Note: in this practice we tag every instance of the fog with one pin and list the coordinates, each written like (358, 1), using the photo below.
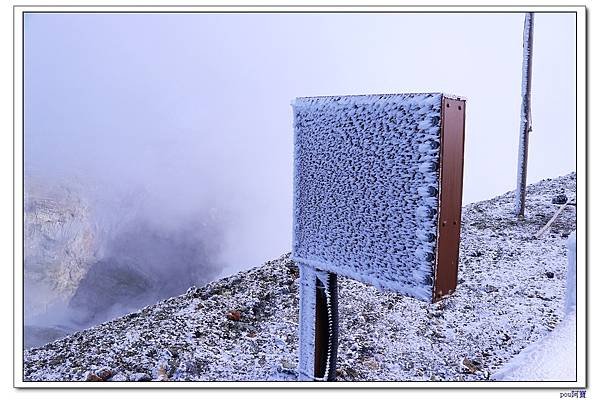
(191, 112)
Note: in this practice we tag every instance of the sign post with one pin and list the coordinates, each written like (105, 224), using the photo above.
(525, 126)
(377, 198)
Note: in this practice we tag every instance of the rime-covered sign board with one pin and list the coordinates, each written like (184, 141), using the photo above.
(378, 189)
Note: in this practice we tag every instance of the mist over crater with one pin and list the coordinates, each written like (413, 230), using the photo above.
(92, 258)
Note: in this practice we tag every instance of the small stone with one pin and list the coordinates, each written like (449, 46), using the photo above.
(234, 315)
(435, 313)
(560, 199)
(549, 274)
(140, 377)
(191, 292)
(284, 290)
(372, 364)
(469, 365)
(118, 377)
(92, 377)
(245, 326)
(162, 375)
(408, 366)
(352, 372)
(476, 253)
(104, 373)
(490, 288)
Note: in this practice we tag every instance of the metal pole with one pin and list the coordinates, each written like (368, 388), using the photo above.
(525, 126)
(326, 328)
(318, 325)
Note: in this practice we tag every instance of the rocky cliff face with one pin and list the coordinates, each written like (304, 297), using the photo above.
(510, 293)
(86, 261)
(60, 244)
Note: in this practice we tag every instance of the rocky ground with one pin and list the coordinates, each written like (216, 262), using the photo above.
(244, 327)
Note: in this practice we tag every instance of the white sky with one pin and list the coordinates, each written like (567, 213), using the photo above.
(196, 107)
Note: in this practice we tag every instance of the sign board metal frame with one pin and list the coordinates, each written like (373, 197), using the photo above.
(451, 185)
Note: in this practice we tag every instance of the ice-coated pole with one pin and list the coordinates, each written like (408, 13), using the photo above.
(525, 126)
(318, 325)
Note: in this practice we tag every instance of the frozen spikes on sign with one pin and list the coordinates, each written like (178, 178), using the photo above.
(378, 189)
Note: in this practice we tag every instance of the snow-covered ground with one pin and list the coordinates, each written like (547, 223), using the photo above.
(550, 359)
(553, 357)
(245, 327)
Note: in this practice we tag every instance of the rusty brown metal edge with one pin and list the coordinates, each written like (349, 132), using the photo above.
(448, 238)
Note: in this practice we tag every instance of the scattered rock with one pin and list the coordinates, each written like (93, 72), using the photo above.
(140, 377)
(351, 372)
(543, 297)
(234, 315)
(104, 373)
(162, 375)
(549, 274)
(118, 377)
(490, 288)
(560, 199)
(435, 313)
(470, 366)
(371, 364)
(92, 377)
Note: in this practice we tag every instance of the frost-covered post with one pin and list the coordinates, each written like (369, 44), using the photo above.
(525, 126)
(318, 325)
(377, 198)
(571, 286)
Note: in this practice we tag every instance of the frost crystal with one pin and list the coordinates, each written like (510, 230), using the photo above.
(308, 292)
(366, 188)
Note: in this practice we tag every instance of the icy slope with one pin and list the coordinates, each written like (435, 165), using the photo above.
(510, 294)
(553, 357)
(550, 359)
